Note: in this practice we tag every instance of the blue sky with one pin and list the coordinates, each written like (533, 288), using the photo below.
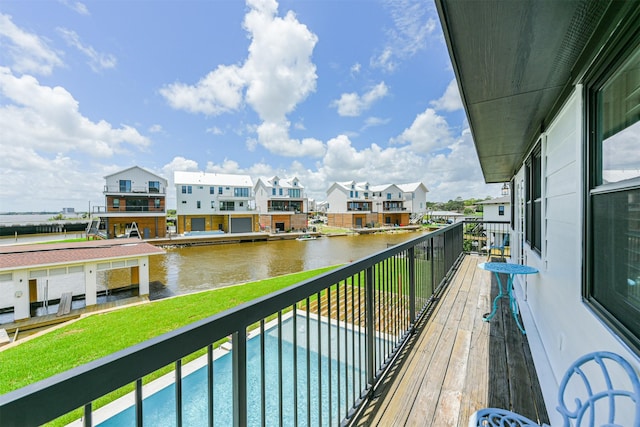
(324, 90)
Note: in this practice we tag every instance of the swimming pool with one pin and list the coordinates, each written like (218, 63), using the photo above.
(159, 407)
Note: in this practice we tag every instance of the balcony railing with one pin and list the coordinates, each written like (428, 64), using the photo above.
(480, 235)
(141, 189)
(363, 313)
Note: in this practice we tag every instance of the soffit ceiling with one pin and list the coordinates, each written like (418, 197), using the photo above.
(512, 60)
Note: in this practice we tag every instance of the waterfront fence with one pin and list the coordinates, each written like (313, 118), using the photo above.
(347, 326)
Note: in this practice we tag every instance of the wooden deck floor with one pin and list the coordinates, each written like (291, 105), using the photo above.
(456, 363)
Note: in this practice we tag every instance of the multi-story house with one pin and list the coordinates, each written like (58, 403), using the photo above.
(207, 202)
(133, 196)
(281, 203)
(415, 198)
(388, 205)
(349, 204)
(354, 205)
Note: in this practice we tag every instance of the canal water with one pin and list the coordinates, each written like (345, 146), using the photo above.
(197, 268)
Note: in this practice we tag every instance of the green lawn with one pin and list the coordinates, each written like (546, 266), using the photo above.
(102, 334)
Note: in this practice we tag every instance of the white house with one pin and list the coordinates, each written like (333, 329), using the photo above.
(552, 94)
(357, 204)
(214, 202)
(496, 215)
(281, 203)
(133, 195)
(415, 197)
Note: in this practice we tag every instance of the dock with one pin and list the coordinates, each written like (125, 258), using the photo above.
(217, 239)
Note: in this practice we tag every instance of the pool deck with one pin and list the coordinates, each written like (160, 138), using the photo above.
(455, 363)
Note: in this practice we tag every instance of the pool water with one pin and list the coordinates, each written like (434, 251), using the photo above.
(159, 408)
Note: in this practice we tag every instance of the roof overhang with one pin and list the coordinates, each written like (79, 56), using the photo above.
(513, 61)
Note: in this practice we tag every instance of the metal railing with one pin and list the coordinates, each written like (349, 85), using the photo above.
(333, 338)
(139, 189)
(480, 236)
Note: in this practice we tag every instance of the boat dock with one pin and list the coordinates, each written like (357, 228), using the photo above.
(219, 238)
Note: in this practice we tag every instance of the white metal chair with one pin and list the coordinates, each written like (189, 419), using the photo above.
(588, 396)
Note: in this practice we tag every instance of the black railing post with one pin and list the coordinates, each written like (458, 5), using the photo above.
(87, 422)
(370, 327)
(138, 395)
(412, 285)
(239, 367)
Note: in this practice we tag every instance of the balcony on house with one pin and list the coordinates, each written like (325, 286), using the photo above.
(150, 188)
(284, 206)
(359, 206)
(393, 207)
(138, 204)
(396, 338)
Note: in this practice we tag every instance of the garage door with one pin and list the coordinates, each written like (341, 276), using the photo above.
(241, 225)
(197, 224)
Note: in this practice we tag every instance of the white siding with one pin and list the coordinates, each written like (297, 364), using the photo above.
(566, 327)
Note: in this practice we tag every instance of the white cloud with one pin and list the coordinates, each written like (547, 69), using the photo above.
(156, 128)
(457, 173)
(76, 6)
(374, 121)
(48, 119)
(28, 52)
(450, 100)
(428, 132)
(274, 136)
(412, 25)
(215, 130)
(277, 75)
(218, 92)
(352, 104)
(97, 60)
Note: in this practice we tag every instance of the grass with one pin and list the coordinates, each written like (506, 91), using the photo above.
(102, 334)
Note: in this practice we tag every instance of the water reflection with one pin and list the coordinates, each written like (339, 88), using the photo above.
(185, 270)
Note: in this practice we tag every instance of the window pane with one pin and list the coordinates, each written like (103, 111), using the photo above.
(618, 104)
(616, 256)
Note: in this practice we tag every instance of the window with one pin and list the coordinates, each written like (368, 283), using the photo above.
(154, 186)
(125, 186)
(116, 203)
(213, 204)
(198, 204)
(612, 285)
(212, 190)
(533, 200)
(280, 191)
(186, 189)
(219, 190)
(241, 192)
(227, 206)
(156, 203)
(356, 194)
(294, 192)
(501, 210)
(351, 194)
(388, 196)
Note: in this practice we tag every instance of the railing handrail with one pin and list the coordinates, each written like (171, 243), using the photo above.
(124, 367)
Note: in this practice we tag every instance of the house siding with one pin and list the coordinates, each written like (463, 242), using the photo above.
(554, 296)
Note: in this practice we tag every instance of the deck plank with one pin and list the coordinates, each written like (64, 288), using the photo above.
(456, 363)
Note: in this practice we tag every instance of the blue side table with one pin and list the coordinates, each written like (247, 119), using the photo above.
(510, 270)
